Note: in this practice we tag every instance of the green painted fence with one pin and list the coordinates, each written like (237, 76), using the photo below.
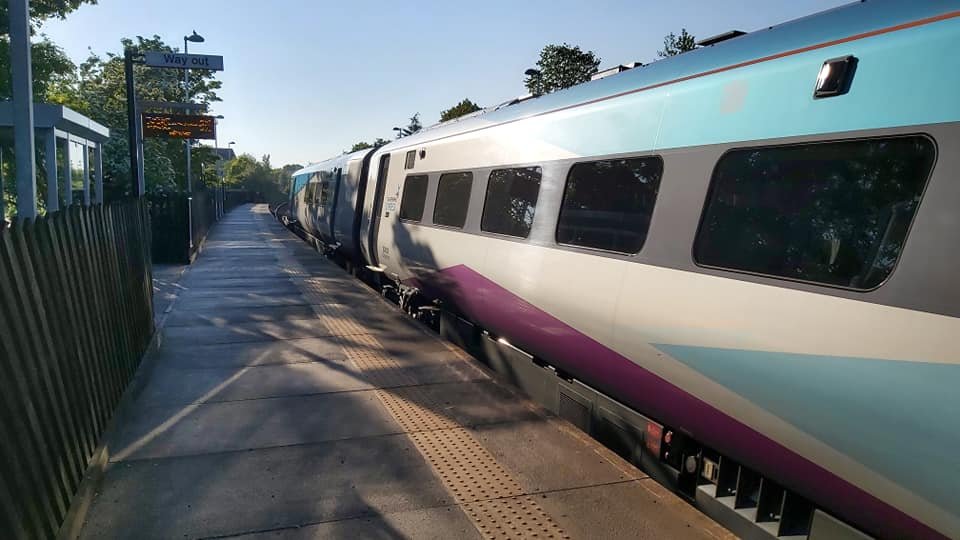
(75, 319)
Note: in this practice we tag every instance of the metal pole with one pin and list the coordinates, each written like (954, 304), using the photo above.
(53, 188)
(186, 90)
(141, 180)
(3, 197)
(98, 175)
(216, 147)
(86, 174)
(132, 131)
(67, 175)
(24, 151)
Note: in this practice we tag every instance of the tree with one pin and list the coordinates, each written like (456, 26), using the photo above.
(50, 64)
(561, 66)
(362, 145)
(464, 107)
(245, 172)
(52, 69)
(674, 44)
(414, 125)
(101, 94)
(41, 10)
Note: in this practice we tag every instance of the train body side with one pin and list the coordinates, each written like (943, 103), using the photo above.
(820, 387)
(324, 199)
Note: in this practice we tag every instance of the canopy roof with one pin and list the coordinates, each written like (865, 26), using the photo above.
(61, 118)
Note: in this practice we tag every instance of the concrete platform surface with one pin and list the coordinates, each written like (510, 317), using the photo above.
(288, 401)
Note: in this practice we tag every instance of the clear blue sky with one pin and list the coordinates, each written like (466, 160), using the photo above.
(305, 79)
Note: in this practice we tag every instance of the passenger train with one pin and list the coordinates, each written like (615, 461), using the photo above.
(755, 245)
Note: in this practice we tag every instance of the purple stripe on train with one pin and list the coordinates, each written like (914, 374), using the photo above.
(506, 314)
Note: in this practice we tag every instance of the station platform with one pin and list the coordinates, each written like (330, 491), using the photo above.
(287, 400)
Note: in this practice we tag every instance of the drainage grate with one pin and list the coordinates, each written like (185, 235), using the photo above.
(519, 517)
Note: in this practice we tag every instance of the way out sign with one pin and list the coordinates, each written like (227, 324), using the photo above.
(161, 59)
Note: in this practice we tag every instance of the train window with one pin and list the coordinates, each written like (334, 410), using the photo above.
(835, 213)
(414, 197)
(511, 200)
(453, 199)
(410, 159)
(324, 193)
(608, 204)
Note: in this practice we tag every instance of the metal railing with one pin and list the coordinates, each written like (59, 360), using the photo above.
(75, 320)
(172, 242)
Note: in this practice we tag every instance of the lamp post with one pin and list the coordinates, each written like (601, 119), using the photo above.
(216, 145)
(223, 188)
(192, 38)
(401, 132)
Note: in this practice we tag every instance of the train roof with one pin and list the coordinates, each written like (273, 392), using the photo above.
(325, 164)
(827, 27)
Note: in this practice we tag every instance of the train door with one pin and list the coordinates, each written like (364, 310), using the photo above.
(375, 215)
(334, 200)
(356, 205)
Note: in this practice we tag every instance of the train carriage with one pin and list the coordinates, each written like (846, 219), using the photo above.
(750, 244)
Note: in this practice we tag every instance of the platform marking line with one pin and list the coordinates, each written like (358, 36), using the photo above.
(488, 494)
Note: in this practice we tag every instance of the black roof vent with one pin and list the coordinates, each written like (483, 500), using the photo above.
(720, 37)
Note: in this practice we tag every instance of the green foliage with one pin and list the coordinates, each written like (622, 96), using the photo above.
(52, 69)
(245, 172)
(100, 93)
(414, 125)
(561, 66)
(464, 107)
(41, 10)
(674, 44)
(362, 145)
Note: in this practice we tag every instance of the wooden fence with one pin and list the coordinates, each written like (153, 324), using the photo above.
(75, 319)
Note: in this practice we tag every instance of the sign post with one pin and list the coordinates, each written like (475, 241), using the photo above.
(133, 127)
(167, 125)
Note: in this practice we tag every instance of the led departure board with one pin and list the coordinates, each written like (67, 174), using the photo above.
(179, 126)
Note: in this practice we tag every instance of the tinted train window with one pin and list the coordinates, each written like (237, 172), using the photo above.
(414, 197)
(511, 201)
(608, 204)
(323, 193)
(453, 198)
(835, 213)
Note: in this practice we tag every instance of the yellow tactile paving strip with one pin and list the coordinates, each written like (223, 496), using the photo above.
(489, 495)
